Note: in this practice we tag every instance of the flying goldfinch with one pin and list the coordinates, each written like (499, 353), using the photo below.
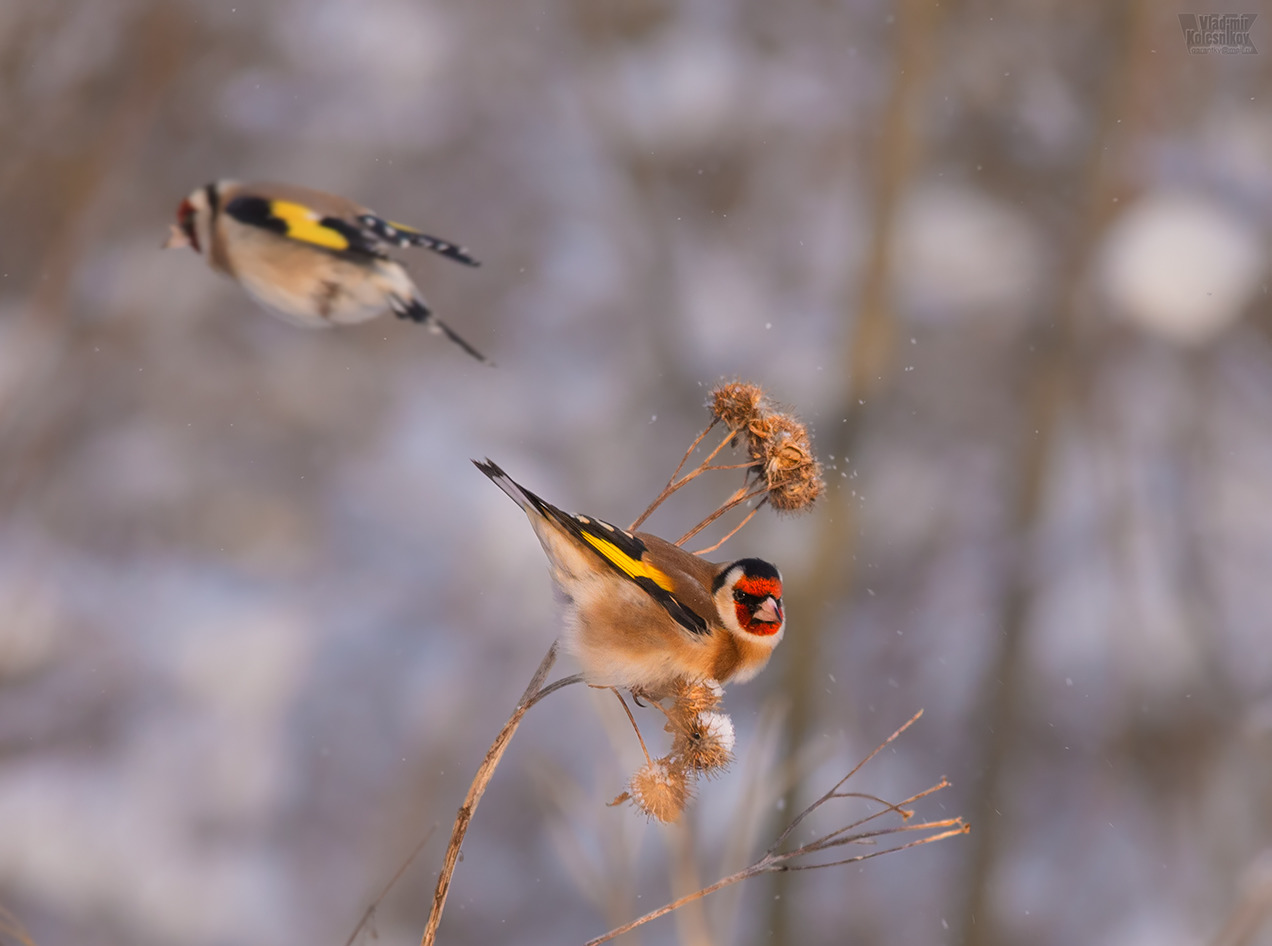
(314, 258)
(642, 613)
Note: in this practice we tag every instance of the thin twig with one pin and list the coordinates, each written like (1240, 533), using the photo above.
(898, 807)
(737, 499)
(535, 691)
(674, 484)
(734, 531)
(831, 794)
(677, 904)
(866, 796)
(366, 917)
(692, 447)
(723, 443)
(632, 719)
(826, 842)
(776, 861)
(957, 827)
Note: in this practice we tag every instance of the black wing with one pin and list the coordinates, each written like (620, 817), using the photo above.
(625, 554)
(296, 221)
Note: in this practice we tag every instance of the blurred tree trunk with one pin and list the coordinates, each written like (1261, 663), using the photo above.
(867, 365)
(1050, 351)
(37, 414)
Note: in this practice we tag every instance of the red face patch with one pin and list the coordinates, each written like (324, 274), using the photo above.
(760, 587)
(185, 220)
(748, 595)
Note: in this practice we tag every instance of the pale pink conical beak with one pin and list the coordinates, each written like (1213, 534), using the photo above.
(176, 239)
(769, 611)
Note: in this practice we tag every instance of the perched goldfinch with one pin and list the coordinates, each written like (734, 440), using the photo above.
(316, 259)
(642, 613)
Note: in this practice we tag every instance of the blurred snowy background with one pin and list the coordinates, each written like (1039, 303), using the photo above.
(260, 618)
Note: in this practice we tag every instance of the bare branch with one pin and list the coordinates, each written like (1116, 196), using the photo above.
(677, 904)
(736, 499)
(957, 828)
(674, 484)
(370, 912)
(732, 532)
(775, 861)
(632, 719)
(831, 794)
(898, 807)
(533, 694)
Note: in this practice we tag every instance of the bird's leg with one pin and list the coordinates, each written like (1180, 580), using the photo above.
(641, 697)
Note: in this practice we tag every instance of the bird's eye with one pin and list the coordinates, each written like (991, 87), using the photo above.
(743, 597)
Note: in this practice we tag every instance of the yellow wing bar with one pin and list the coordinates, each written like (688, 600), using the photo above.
(305, 225)
(633, 567)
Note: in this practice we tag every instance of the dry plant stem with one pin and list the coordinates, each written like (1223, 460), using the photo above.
(632, 719)
(897, 807)
(533, 694)
(732, 532)
(692, 447)
(674, 484)
(949, 828)
(774, 860)
(839, 836)
(370, 912)
(777, 863)
(831, 794)
(741, 496)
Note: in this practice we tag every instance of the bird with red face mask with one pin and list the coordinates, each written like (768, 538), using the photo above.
(643, 614)
(313, 258)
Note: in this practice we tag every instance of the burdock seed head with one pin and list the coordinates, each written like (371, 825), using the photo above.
(737, 404)
(688, 699)
(706, 744)
(787, 463)
(661, 788)
(702, 739)
(776, 441)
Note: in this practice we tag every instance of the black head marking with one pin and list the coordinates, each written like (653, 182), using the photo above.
(751, 567)
(213, 195)
(255, 212)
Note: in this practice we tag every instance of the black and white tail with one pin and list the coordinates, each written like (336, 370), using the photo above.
(520, 495)
(401, 235)
(418, 312)
(535, 507)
